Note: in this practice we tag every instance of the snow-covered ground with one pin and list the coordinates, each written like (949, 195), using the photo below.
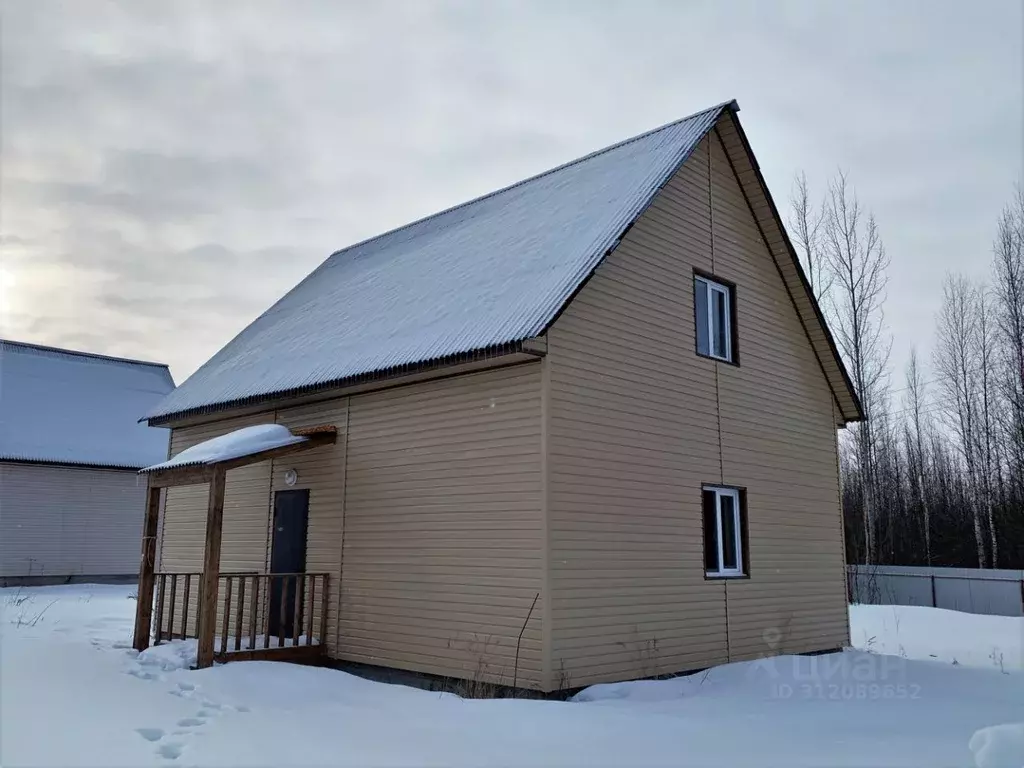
(916, 632)
(74, 693)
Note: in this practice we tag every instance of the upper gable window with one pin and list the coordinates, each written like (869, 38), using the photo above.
(715, 316)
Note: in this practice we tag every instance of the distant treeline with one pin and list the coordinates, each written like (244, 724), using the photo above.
(935, 475)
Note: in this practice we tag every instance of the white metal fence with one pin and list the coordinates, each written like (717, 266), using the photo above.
(973, 590)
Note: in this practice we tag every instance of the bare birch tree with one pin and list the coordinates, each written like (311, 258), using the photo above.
(857, 261)
(957, 364)
(914, 493)
(1009, 296)
(914, 401)
(987, 406)
(806, 225)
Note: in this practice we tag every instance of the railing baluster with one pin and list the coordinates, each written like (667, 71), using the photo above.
(199, 603)
(160, 610)
(283, 611)
(240, 614)
(184, 607)
(266, 611)
(170, 619)
(300, 599)
(311, 610)
(323, 610)
(227, 615)
(253, 607)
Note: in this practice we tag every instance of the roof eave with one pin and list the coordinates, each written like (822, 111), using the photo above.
(70, 464)
(533, 346)
(79, 353)
(732, 107)
(855, 412)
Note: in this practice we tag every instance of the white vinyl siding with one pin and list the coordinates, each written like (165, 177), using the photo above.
(68, 521)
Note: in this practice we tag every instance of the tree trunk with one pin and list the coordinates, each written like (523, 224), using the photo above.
(927, 517)
(992, 530)
(979, 539)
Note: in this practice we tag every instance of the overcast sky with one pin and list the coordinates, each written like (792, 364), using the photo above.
(171, 168)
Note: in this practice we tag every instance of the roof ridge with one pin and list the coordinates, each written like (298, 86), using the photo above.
(731, 104)
(79, 353)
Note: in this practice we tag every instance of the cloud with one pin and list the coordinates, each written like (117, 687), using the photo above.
(170, 169)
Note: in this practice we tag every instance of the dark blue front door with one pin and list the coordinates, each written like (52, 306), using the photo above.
(287, 555)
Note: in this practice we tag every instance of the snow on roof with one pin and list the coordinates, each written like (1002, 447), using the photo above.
(490, 272)
(67, 407)
(242, 442)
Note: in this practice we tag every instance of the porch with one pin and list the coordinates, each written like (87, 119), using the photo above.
(236, 615)
(268, 616)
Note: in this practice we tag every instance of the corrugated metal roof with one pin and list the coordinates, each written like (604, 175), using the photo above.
(492, 271)
(65, 407)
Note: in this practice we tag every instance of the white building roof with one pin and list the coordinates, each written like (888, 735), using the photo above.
(489, 273)
(65, 407)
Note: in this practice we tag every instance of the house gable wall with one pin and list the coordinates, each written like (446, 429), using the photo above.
(777, 438)
(636, 422)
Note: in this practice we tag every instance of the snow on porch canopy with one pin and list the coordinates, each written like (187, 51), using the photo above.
(248, 445)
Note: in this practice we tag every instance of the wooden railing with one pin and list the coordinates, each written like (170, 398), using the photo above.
(255, 611)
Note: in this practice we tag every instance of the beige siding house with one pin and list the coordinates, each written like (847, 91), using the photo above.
(585, 431)
(70, 447)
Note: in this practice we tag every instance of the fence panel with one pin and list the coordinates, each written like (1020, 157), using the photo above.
(972, 590)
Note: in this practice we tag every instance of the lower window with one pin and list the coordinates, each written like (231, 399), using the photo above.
(725, 531)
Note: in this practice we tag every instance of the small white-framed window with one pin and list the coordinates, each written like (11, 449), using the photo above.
(713, 304)
(724, 531)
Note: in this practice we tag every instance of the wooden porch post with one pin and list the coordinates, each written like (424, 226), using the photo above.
(147, 568)
(211, 571)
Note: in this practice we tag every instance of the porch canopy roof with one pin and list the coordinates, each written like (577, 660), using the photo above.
(248, 445)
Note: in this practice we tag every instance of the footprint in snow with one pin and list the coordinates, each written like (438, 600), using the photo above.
(150, 734)
(191, 722)
(183, 691)
(212, 709)
(170, 751)
(143, 674)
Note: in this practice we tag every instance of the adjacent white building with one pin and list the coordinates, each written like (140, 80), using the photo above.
(71, 504)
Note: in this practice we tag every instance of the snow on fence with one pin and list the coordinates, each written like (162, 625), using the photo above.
(972, 590)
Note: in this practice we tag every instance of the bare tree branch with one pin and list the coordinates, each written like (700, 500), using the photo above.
(806, 223)
(858, 262)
